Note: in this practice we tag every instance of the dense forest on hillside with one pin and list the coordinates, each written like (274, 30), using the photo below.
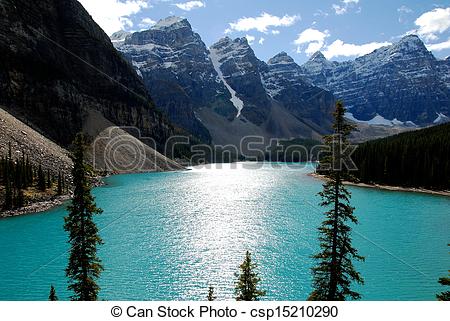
(414, 159)
(21, 182)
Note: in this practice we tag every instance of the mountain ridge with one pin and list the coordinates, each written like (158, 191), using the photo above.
(57, 64)
(222, 84)
(403, 81)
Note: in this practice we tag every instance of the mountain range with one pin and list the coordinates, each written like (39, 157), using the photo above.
(60, 73)
(225, 92)
(402, 83)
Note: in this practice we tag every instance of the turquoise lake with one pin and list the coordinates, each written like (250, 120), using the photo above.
(169, 235)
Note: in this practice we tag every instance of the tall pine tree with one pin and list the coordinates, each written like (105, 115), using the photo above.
(334, 272)
(8, 204)
(248, 279)
(42, 186)
(60, 186)
(211, 295)
(52, 296)
(84, 266)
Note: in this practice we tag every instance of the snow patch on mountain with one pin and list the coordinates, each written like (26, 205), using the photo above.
(403, 80)
(119, 37)
(170, 23)
(237, 102)
(441, 118)
(380, 120)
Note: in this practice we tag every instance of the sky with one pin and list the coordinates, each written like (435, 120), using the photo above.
(340, 29)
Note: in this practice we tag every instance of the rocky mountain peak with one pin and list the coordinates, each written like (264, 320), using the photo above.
(222, 42)
(171, 31)
(388, 82)
(409, 44)
(318, 57)
(172, 23)
(227, 47)
(119, 36)
(281, 58)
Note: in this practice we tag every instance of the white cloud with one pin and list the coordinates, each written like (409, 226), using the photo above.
(146, 23)
(340, 49)
(342, 8)
(433, 22)
(261, 40)
(439, 46)
(403, 12)
(339, 9)
(262, 23)
(314, 39)
(190, 5)
(250, 39)
(113, 15)
(275, 32)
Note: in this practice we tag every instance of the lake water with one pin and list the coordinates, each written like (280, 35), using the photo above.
(168, 235)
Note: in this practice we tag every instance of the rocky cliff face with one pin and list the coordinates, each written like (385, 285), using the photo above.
(174, 64)
(402, 82)
(241, 71)
(56, 65)
(284, 82)
(223, 90)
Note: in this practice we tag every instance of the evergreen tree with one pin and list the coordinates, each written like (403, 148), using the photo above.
(334, 272)
(84, 266)
(211, 295)
(60, 184)
(49, 180)
(52, 296)
(20, 198)
(42, 186)
(444, 296)
(8, 194)
(248, 279)
(391, 160)
(64, 187)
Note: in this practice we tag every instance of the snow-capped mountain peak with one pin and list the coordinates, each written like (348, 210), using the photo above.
(281, 58)
(409, 45)
(119, 36)
(402, 81)
(318, 56)
(171, 22)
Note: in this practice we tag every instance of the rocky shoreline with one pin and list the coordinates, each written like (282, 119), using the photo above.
(37, 207)
(389, 188)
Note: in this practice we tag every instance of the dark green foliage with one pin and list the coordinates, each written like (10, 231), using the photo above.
(8, 204)
(211, 295)
(415, 159)
(444, 296)
(41, 179)
(60, 184)
(248, 279)
(52, 296)
(49, 180)
(20, 198)
(334, 271)
(84, 267)
(16, 175)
